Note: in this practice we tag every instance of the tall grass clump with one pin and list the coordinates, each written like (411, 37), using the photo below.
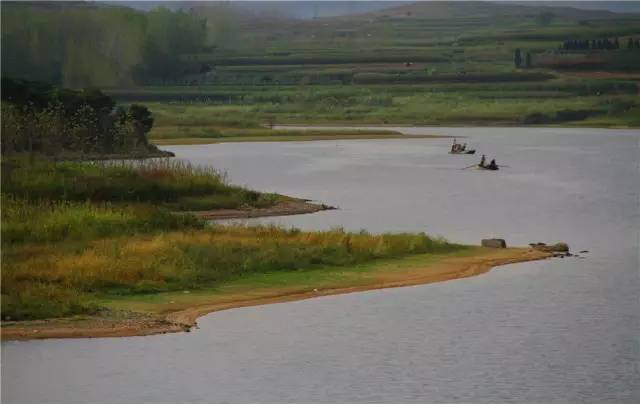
(151, 263)
(52, 221)
(170, 183)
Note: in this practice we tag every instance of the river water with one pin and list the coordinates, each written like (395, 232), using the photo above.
(562, 330)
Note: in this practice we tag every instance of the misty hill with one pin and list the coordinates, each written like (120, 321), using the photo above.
(275, 9)
(424, 9)
(443, 10)
(614, 6)
(110, 45)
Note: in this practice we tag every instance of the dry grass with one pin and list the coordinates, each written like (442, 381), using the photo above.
(185, 259)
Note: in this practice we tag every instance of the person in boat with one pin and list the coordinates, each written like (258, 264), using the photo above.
(492, 165)
(454, 146)
(483, 160)
(464, 147)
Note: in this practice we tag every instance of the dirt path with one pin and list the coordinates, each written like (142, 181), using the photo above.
(445, 269)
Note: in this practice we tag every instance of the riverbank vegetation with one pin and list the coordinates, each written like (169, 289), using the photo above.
(245, 111)
(42, 280)
(95, 45)
(76, 232)
(166, 183)
(38, 118)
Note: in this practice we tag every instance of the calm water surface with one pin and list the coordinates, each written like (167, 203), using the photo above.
(554, 331)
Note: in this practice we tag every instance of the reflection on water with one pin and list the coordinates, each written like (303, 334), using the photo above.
(561, 330)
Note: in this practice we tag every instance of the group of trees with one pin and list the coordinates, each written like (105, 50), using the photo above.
(633, 44)
(518, 60)
(37, 117)
(79, 44)
(598, 44)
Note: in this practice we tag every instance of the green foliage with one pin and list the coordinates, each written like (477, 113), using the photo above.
(48, 120)
(50, 221)
(474, 102)
(74, 231)
(40, 301)
(172, 184)
(78, 45)
(142, 122)
(56, 213)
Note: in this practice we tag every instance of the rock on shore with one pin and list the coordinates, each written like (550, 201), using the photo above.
(494, 243)
(557, 247)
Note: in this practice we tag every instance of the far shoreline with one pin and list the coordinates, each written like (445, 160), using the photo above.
(391, 273)
(182, 141)
(329, 126)
(470, 125)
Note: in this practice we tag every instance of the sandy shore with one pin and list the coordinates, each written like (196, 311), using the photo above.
(447, 268)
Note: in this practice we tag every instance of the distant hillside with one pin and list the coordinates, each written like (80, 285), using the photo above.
(614, 6)
(309, 9)
(442, 10)
(270, 9)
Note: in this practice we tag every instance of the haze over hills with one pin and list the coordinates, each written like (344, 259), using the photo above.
(118, 44)
(481, 9)
(436, 9)
(614, 6)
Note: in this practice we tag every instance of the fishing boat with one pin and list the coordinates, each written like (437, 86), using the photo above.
(492, 166)
(463, 152)
(460, 148)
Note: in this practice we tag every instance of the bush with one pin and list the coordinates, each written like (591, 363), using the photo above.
(40, 118)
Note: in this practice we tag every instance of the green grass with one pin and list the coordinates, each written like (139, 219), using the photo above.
(562, 101)
(51, 221)
(76, 232)
(70, 275)
(268, 283)
(220, 113)
(166, 183)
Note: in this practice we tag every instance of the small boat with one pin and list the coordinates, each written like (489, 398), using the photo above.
(463, 152)
(460, 148)
(492, 166)
(488, 167)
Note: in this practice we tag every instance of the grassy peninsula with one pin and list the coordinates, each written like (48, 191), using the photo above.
(73, 232)
(96, 249)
